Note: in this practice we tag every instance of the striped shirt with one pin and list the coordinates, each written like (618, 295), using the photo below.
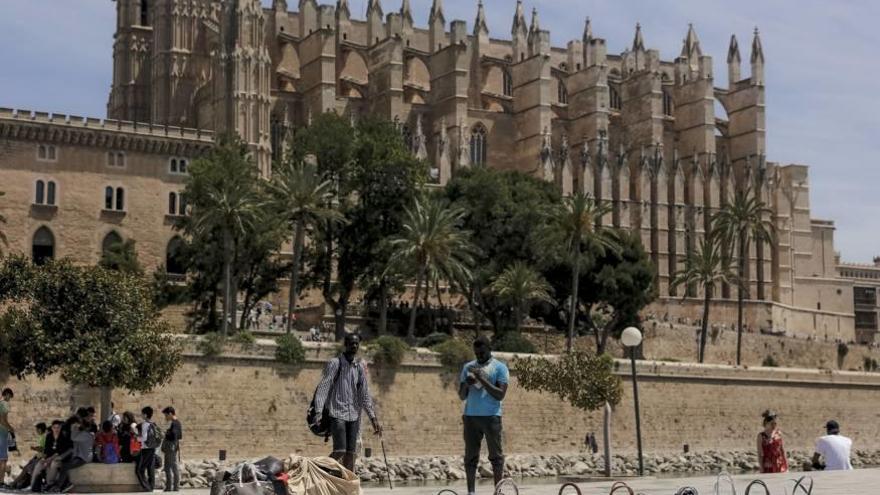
(351, 393)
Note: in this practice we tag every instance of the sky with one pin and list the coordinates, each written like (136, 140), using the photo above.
(822, 73)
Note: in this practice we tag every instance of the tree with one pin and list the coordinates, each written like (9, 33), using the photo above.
(501, 209)
(432, 240)
(224, 193)
(574, 227)
(520, 286)
(705, 268)
(738, 222)
(305, 200)
(122, 257)
(95, 326)
(583, 379)
(3, 240)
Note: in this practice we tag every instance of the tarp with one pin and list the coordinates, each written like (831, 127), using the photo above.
(319, 476)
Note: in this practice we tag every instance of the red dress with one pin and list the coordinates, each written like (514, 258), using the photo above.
(773, 453)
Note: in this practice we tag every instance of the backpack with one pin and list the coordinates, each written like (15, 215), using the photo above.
(109, 454)
(154, 437)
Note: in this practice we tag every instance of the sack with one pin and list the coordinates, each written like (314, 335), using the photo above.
(322, 428)
(270, 466)
(155, 435)
(247, 481)
(311, 476)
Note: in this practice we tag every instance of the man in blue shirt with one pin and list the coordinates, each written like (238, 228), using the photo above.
(483, 385)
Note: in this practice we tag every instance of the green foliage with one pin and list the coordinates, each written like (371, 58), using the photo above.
(388, 351)
(245, 339)
(770, 362)
(16, 276)
(122, 257)
(212, 344)
(519, 285)
(166, 292)
(514, 342)
(453, 353)
(584, 380)
(290, 350)
(434, 339)
(94, 326)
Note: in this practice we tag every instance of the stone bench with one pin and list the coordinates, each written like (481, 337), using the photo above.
(105, 478)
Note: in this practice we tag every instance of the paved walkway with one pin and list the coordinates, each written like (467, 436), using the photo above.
(859, 482)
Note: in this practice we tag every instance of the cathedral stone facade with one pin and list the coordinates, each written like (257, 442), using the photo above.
(634, 129)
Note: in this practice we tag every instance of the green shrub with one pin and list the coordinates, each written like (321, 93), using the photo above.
(244, 338)
(212, 344)
(514, 342)
(770, 362)
(290, 350)
(453, 353)
(388, 351)
(434, 339)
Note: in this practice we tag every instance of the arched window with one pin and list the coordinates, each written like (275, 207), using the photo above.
(668, 104)
(52, 154)
(145, 13)
(173, 260)
(614, 98)
(478, 145)
(40, 196)
(508, 83)
(120, 199)
(43, 246)
(110, 241)
(181, 199)
(182, 166)
(50, 193)
(172, 203)
(42, 154)
(108, 198)
(173, 166)
(561, 92)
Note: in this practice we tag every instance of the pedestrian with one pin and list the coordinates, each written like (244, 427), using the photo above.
(171, 450)
(345, 391)
(83, 441)
(129, 444)
(55, 449)
(6, 431)
(146, 463)
(483, 385)
(834, 448)
(771, 451)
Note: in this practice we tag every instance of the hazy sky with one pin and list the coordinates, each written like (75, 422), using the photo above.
(822, 73)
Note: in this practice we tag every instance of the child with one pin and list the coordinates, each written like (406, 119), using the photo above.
(107, 444)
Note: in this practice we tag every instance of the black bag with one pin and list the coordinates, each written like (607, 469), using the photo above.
(270, 466)
(322, 429)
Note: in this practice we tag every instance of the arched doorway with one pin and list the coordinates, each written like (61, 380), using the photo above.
(110, 241)
(174, 264)
(43, 246)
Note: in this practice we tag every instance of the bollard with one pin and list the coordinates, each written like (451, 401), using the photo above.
(576, 489)
(758, 483)
(606, 433)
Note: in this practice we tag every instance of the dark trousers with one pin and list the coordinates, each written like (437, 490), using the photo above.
(66, 467)
(475, 429)
(172, 472)
(345, 436)
(145, 469)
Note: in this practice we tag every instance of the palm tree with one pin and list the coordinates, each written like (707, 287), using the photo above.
(432, 242)
(305, 201)
(576, 225)
(706, 267)
(740, 221)
(520, 285)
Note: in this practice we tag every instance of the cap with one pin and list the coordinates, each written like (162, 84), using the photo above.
(832, 426)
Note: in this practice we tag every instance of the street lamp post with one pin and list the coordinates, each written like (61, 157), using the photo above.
(632, 338)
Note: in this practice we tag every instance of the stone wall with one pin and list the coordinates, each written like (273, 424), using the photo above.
(250, 406)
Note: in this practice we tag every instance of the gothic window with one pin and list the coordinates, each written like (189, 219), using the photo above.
(478, 145)
(668, 104)
(50, 193)
(120, 199)
(181, 204)
(561, 92)
(110, 241)
(52, 156)
(181, 164)
(172, 203)
(43, 246)
(508, 84)
(173, 260)
(172, 167)
(115, 159)
(614, 98)
(177, 166)
(41, 193)
(108, 198)
(145, 13)
(47, 152)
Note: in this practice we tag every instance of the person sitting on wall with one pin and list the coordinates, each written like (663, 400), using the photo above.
(107, 444)
(834, 448)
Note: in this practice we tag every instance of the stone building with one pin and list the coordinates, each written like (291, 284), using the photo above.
(633, 128)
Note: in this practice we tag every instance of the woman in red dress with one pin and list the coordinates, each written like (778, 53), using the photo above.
(771, 452)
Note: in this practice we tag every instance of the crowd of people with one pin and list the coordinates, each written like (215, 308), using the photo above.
(64, 445)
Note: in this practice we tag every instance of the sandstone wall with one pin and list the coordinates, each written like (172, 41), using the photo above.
(249, 406)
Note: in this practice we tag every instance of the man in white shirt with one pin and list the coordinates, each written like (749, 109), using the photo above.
(834, 448)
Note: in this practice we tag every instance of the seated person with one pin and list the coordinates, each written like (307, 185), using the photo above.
(56, 448)
(834, 448)
(107, 444)
(83, 442)
(24, 478)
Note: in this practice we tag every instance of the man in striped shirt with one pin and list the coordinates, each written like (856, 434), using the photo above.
(345, 392)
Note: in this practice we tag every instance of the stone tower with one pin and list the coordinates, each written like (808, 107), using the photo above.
(130, 94)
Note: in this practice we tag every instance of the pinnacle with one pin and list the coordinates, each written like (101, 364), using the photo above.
(757, 48)
(733, 51)
(638, 40)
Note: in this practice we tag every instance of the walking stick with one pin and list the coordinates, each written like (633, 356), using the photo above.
(385, 456)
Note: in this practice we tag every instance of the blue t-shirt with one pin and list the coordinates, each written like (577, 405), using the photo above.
(479, 402)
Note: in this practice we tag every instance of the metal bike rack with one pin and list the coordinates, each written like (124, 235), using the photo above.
(506, 487)
(447, 490)
(802, 484)
(724, 476)
(758, 483)
(688, 490)
(619, 485)
(572, 485)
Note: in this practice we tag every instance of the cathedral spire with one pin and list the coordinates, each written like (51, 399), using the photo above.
(588, 31)
(519, 18)
(342, 5)
(733, 62)
(691, 48)
(638, 39)
(374, 5)
(536, 25)
(406, 11)
(757, 49)
(437, 11)
(480, 25)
